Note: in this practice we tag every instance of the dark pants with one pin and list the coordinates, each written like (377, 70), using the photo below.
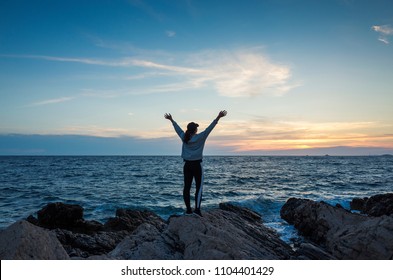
(193, 170)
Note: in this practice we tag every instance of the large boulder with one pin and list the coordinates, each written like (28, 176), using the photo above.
(24, 241)
(228, 233)
(343, 234)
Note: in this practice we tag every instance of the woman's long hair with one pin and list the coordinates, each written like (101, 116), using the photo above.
(187, 136)
(191, 130)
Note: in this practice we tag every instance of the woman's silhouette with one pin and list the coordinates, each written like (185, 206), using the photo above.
(192, 154)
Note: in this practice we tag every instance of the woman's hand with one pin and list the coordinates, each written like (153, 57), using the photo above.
(223, 113)
(168, 117)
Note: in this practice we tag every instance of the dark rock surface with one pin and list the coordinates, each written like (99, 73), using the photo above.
(341, 233)
(358, 203)
(60, 215)
(377, 205)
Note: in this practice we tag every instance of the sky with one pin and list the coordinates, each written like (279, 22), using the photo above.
(97, 77)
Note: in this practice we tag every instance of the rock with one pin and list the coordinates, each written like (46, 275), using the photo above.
(369, 240)
(147, 243)
(234, 233)
(245, 213)
(379, 205)
(25, 241)
(84, 239)
(32, 220)
(231, 232)
(60, 215)
(315, 219)
(358, 203)
(308, 251)
(101, 239)
(88, 227)
(86, 245)
(345, 235)
(129, 220)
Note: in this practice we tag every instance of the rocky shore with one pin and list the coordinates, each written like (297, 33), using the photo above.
(367, 235)
(59, 231)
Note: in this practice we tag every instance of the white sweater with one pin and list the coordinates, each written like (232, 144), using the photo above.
(193, 150)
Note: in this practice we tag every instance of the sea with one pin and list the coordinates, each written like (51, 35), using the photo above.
(102, 184)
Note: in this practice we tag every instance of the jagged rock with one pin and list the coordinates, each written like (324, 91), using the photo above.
(242, 211)
(60, 215)
(315, 219)
(129, 220)
(25, 241)
(86, 245)
(236, 233)
(88, 227)
(345, 235)
(358, 204)
(378, 205)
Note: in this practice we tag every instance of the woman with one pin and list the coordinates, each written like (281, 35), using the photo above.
(192, 154)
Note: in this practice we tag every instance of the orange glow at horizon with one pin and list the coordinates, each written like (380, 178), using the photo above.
(260, 145)
(293, 136)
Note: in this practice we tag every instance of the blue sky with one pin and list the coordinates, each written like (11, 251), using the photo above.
(293, 75)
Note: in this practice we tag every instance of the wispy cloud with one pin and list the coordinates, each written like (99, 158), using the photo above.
(170, 33)
(50, 101)
(124, 62)
(239, 73)
(384, 40)
(247, 73)
(384, 29)
(94, 130)
(384, 32)
(148, 9)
